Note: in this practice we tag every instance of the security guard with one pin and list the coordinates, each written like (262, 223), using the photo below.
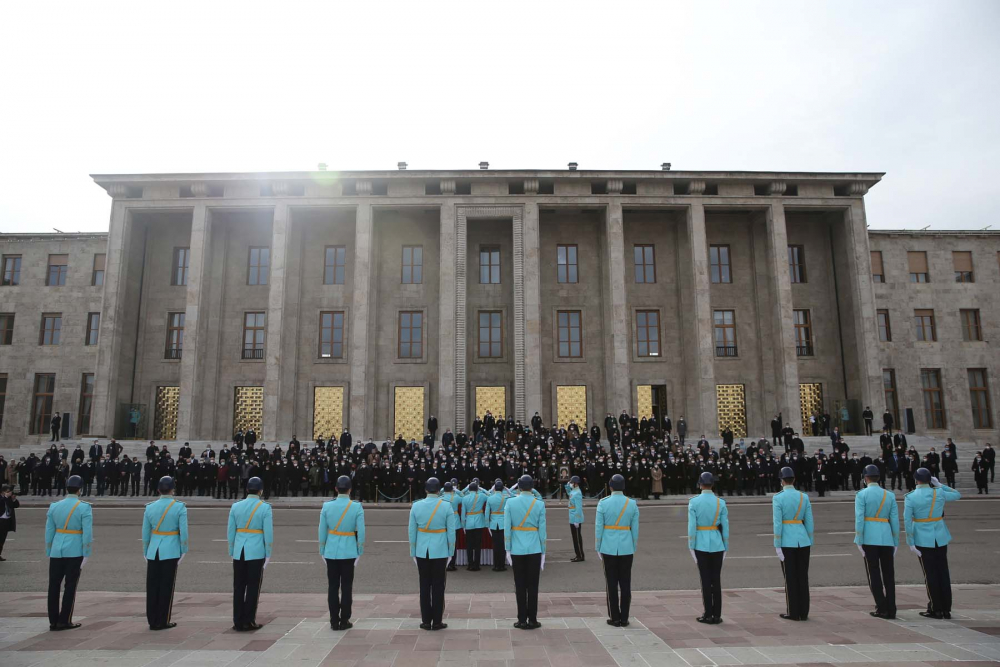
(69, 534)
(432, 543)
(164, 543)
(876, 532)
(474, 510)
(454, 496)
(494, 514)
(524, 540)
(928, 537)
(341, 543)
(576, 517)
(793, 536)
(708, 541)
(251, 535)
(616, 532)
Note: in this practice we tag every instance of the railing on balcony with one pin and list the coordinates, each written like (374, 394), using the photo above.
(253, 353)
(172, 353)
(804, 350)
(725, 351)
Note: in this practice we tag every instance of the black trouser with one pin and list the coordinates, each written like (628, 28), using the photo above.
(795, 567)
(340, 583)
(577, 531)
(432, 580)
(248, 578)
(618, 576)
(949, 476)
(55, 434)
(59, 569)
(934, 561)
(498, 550)
(868, 427)
(881, 569)
(473, 545)
(710, 569)
(4, 529)
(527, 568)
(160, 577)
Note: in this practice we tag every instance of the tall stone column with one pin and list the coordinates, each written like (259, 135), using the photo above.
(866, 382)
(196, 323)
(700, 367)
(279, 373)
(786, 362)
(617, 386)
(361, 423)
(528, 313)
(445, 404)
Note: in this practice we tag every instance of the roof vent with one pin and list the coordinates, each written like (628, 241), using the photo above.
(484, 165)
(401, 166)
(665, 166)
(572, 166)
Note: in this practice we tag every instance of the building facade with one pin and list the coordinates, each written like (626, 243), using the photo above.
(305, 303)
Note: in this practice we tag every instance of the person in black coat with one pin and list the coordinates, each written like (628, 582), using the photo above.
(8, 521)
(980, 471)
(432, 427)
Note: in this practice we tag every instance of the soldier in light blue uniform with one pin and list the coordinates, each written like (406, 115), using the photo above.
(708, 541)
(341, 543)
(453, 495)
(791, 513)
(616, 534)
(474, 512)
(432, 542)
(576, 517)
(69, 534)
(495, 504)
(876, 532)
(164, 543)
(928, 537)
(251, 535)
(524, 539)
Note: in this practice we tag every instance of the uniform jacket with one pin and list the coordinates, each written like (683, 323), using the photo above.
(524, 525)
(876, 517)
(575, 504)
(495, 505)
(923, 514)
(69, 528)
(616, 525)
(432, 527)
(474, 509)
(793, 518)
(341, 529)
(708, 523)
(250, 529)
(165, 529)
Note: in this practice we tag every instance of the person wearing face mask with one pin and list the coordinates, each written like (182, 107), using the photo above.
(876, 534)
(980, 471)
(949, 466)
(928, 538)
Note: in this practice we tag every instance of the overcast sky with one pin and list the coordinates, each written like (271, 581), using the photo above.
(908, 88)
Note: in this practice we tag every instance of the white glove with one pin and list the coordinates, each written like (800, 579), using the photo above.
(509, 562)
(894, 550)
(543, 562)
(693, 556)
(179, 560)
(781, 556)
(724, 553)
(450, 558)
(266, 561)
(599, 557)
(860, 550)
(935, 481)
(356, 561)
(915, 551)
(84, 561)
(489, 532)
(415, 561)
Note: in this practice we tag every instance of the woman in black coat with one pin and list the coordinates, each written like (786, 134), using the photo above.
(8, 522)
(981, 471)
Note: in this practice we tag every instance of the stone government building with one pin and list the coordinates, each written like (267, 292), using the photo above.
(307, 302)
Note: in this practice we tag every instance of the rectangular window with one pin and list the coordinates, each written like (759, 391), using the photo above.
(97, 277)
(891, 398)
(86, 401)
(647, 325)
(41, 403)
(6, 328)
(179, 272)
(645, 265)
(258, 266)
(566, 267)
(878, 271)
(93, 327)
(725, 333)
(51, 328)
(718, 259)
(570, 334)
(411, 334)
(489, 266)
(884, 330)
(490, 334)
(803, 333)
(58, 267)
(934, 413)
(11, 270)
(923, 320)
(979, 395)
(175, 336)
(918, 267)
(331, 335)
(963, 266)
(971, 329)
(797, 263)
(413, 265)
(3, 397)
(253, 336)
(334, 263)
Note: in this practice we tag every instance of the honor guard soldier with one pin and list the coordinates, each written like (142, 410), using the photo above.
(876, 532)
(524, 540)
(432, 542)
(793, 536)
(494, 514)
(708, 541)
(576, 517)
(251, 535)
(928, 537)
(69, 534)
(616, 532)
(453, 496)
(474, 510)
(164, 543)
(341, 543)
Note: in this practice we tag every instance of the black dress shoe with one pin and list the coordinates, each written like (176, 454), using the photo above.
(345, 625)
(614, 623)
(787, 617)
(69, 626)
(439, 626)
(931, 614)
(54, 628)
(451, 568)
(623, 623)
(253, 626)
(704, 619)
(532, 625)
(163, 627)
(876, 614)
(716, 620)
(520, 626)
(575, 560)
(946, 615)
(425, 626)
(238, 628)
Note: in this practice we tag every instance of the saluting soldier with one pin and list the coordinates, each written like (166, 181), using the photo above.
(793, 536)
(431, 531)
(164, 543)
(876, 532)
(341, 543)
(524, 540)
(494, 515)
(708, 541)
(453, 495)
(576, 517)
(251, 535)
(928, 537)
(616, 533)
(69, 534)
(474, 510)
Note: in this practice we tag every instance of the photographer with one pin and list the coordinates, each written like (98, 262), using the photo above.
(8, 503)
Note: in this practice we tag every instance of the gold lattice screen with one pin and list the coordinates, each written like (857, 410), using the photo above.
(644, 407)
(165, 415)
(409, 412)
(493, 399)
(571, 405)
(328, 411)
(248, 409)
(811, 400)
(732, 408)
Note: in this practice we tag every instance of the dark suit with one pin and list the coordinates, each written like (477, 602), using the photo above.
(8, 525)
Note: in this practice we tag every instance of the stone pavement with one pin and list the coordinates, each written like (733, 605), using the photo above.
(663, 632)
